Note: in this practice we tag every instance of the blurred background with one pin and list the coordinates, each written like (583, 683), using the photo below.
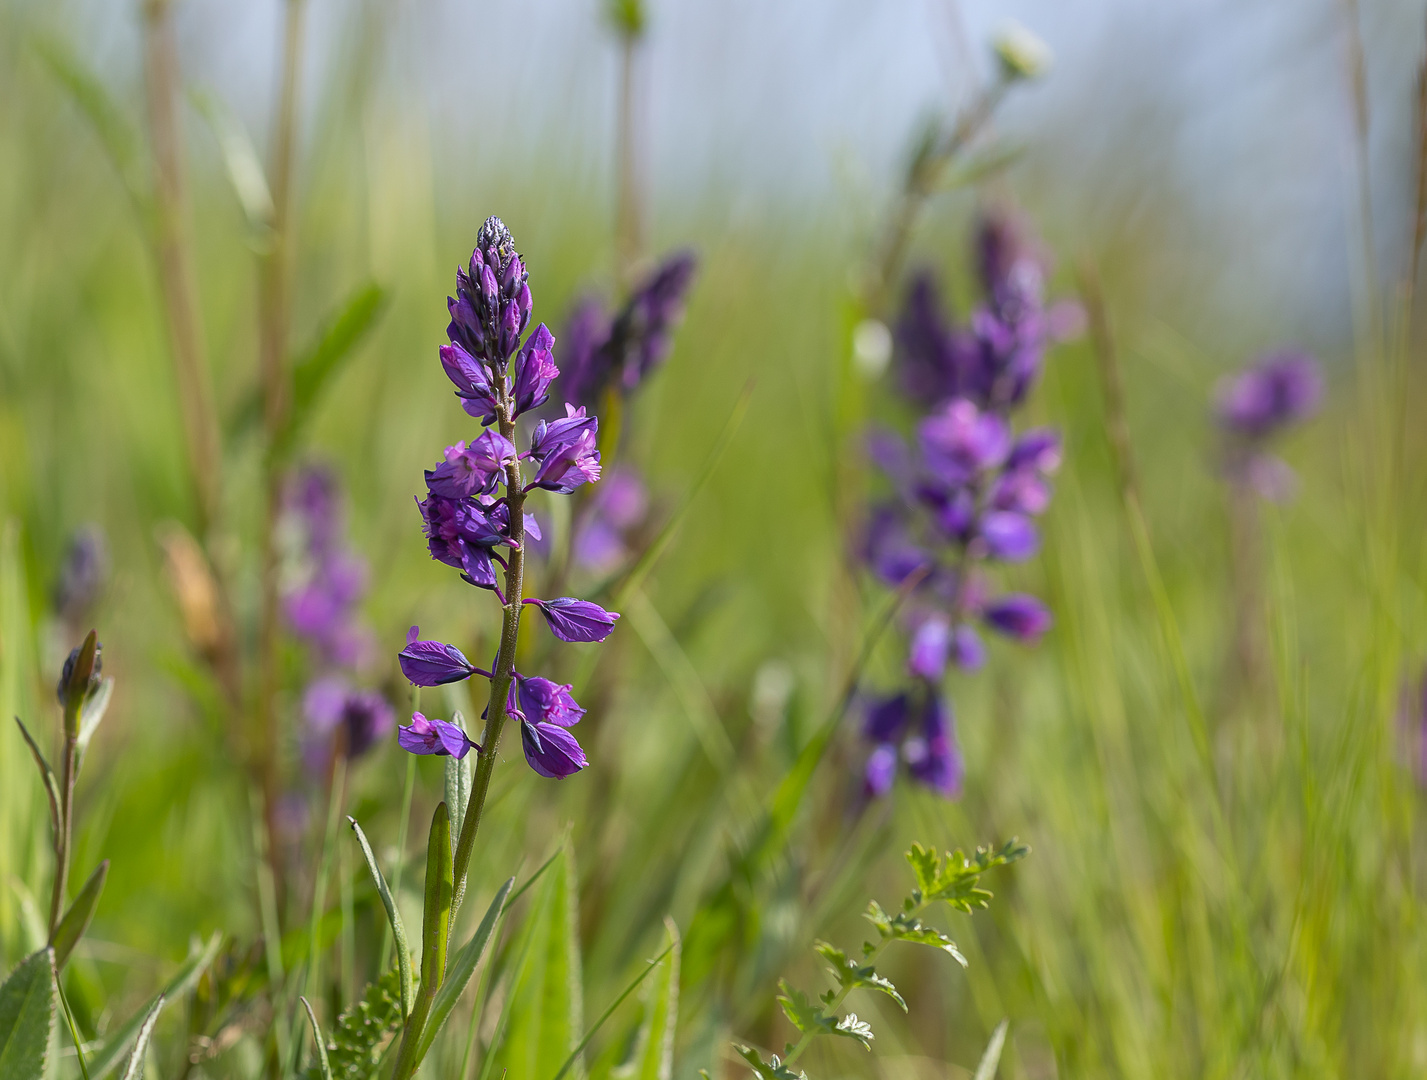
(1221, 883)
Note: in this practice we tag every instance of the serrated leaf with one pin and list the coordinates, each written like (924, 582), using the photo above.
(354, 1047)
(955, 880)
(851, 975)
(27, 1017)
(324, 1066)
(134, 1069)
(180, 984)
(811, 1020)
(398, 928)
(991, 1057)
(926, 865)
(767, 1070)
(852, 1028)
(654, 1046)
(546, 1000)
(459, 972)
(76, 920)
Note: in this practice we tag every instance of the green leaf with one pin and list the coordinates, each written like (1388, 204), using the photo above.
(546, 999)
(134, 1069)
(460, 970)
(180, 984)
(76, 920)
(458, 781)
(323, 1065)
(956, 879)
(767, 1070)
(436, 913)
(991, 1057)
(27, 1017)
(46, 774)
(91, 713)
(653, 1057)
(574, 1057)
(851, 975)
(355, 1046)
(905, 927)
(811, 1020)
(398, 929)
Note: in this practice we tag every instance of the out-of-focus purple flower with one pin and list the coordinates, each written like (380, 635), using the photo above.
(473, 469)
(432, 663)
(959, 441)
(1008, 536)
(931, 645)
(880, 771)
(1037, 449)
(933, 756)
(1018, 615)
(544, 701)
(1012, 266)
(534, 371)
(83, 573)
(363, 717)
(618, 506)
(889, 549)
(551, 750)
(473, 385)
(1021, 491)
(585, 364)
(967, 650)
(1281, 389)
(573, 620)
(932, 355)
(438, 737)
(324, 580)
(887, 718)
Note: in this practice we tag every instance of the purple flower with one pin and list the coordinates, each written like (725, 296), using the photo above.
(534, 371)
(551, 750)
(492, 304)
(586, 361)
(931, 644)
(553, 436)
(544, 701)
(642, 333)
(363, 717)
(1037, 449)
(432, 663)
(927, 739)
(889, 549)
(566, 464)
(1279, 390)
(473, 469)
(439, 737)
(576, 620)
(1008, 536)
(83, 573)
(1022, 491)
(959, 441)
(967, 651)
(617, 507)
(933, 756)
(1018, 615)
(887, 718)
(880, 771)
(473, 385)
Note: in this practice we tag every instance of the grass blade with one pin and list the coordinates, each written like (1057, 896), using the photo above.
(460, 970)
(134, 1070)
(633, 986)
(654, 1048)
(322, 1063)
(76, 920)
(398, 929)
(991, 1057)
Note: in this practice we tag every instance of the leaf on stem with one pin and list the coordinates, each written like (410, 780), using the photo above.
(27, 1017)
(91, 713)
(324, 1066)
(460, 970)
(768, 1070)
(76, 920)
(955, 878)
(810, 1019)
(851, 975)
(905, 927)
(459, 774)
(46, 774)
(436, 913)
(398, 929)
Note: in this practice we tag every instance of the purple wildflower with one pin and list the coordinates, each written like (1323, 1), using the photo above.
(432, 663)
(534, 371)
(1018, 615)
(880, 771)
(1281, 389)
(1008, 536)
(920, 734)
(576, 620)
(82, 574)
(473, 385)
(551, 750)
(967, 650)
(616, 509)
(362, 717)
(933, 756)
(438, 737)
(473, 469)
(566, 465)
(931, 645)
(492, 305)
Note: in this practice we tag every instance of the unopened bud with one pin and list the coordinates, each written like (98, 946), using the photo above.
(79, 679)
(1022, 54)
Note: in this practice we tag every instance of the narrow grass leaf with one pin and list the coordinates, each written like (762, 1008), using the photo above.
(654, 1046)
(46, 774)
(322, 1063)
(134, 1069)
(76, 920)
(574, 1057)
(27, 1017)
(991, 1057)
(398, 929)
(460, 970)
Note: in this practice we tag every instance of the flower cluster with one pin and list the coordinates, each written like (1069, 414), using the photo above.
(965, 493)
(473, 513)
(1281, 390)
(323, 584)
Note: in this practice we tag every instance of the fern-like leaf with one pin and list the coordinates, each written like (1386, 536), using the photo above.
(355, 1043)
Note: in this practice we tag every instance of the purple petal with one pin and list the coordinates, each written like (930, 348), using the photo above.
(931, 644)
(548, 702)
(432, 663)
(576, 620)
(1018, 615)
(1009, 537)
(551, 751)
(880, 771)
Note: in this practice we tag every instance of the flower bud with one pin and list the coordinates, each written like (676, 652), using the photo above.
(79, 679)
(1021, 53)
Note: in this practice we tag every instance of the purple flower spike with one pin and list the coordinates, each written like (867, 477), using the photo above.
(534, 370)
(1008, 536)
(576, 620)
(432, 663)
(1279, 390)
(1018, 615)
(438, 737)
(880, 771)
(551, 751)
(931, 645)
(549, 702)
(959, 441)
(473, 469)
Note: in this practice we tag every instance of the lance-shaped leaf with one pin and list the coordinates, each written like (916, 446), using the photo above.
(324, 1066)
(76, 920)
(459, 774)
(460, 970)
(46, 774)
(436, 912)
(768, 1070)
(991, 1056)
(905, 927)
(180, 984)
(851, 975)
(653, 1057)
(398, 928)
(546, 1002)
(134, 1068)
(27, 1017)
(573, 1059)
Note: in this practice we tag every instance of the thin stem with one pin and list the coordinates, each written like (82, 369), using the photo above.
(64, 835)
(504, 666)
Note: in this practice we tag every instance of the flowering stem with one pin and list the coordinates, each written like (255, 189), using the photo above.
(504, 665)
(65, 831)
